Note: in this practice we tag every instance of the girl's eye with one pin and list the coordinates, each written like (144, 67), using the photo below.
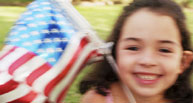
(134, 48)
(165, 50)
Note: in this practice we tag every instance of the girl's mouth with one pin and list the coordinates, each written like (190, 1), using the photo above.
(147, 79)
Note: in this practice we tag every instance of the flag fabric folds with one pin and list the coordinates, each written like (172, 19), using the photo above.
(44, 52)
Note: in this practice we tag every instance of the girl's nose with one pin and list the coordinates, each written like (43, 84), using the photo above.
(148, 59)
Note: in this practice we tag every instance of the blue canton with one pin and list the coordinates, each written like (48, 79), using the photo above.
(44, 30)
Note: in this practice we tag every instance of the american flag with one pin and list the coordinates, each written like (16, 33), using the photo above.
(45, 50)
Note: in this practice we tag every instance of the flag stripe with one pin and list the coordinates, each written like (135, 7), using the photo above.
(18, 92)
(65, 80)
(6, 50)
(53, 83)
(21, 61)
(8, 86)
(5, 77)
(37, 73)
(40, 98)
(11, 58)
(79, 66)
(72, 72)
(24, 71)
(26, 99)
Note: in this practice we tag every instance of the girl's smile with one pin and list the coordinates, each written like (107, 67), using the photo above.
(146, 78)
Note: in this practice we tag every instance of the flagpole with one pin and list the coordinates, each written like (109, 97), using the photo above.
(83, 25)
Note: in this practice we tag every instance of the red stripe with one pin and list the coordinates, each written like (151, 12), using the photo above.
(7, 53)
(9, 86)
(37, 73)
(64, 91)
(55, 81)
(26, 99)
(20, 61)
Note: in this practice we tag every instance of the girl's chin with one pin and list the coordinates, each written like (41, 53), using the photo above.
(146, 92)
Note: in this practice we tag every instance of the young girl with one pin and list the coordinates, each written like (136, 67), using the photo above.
(153, 53)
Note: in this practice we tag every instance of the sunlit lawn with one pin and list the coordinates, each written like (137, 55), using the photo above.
(101, 18)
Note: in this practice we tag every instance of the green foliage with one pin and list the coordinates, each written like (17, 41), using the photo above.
(185, 3)
(15, 2)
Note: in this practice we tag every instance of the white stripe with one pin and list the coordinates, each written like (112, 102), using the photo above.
(19, 92)
(63, 84)
(44, 79)
(6, 62)
(5, 49)
(39, 99)
(24, 71)
(4, 77)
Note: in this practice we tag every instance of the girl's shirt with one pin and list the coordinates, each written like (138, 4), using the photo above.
(109, 98)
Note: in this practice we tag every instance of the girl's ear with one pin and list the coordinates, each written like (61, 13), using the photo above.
(186, 59)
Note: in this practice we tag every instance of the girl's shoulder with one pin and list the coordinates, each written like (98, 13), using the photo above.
(92, 96)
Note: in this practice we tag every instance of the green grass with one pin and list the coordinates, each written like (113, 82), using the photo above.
(102, 19)
(189, 15)
(8, 15)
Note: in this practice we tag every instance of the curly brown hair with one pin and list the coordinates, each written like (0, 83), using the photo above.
(103, 76)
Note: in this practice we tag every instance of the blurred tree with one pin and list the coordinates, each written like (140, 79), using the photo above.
(185, 3)
(15, 2)
(106, 1)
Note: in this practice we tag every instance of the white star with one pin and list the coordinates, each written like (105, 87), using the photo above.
(29, 18)
(43, 23)
(57, 40)
(25, 36)
(40, 16)
(27, 44)
(50, 14)
(59, 50)
(47, 40)
(34, 6)
(40, 51)
(50, 50)
(45, 31)
(37, 41)
(22, 28)
(32, 25)
(47, 8)
(65, 39)
(67, 31)
(59, 15)
(51, 59)
(37, 10)
(54, 31)
(27, 13)
(53, 22)
(45, 3)
(13, 33)
(15, 40)
(34, 33)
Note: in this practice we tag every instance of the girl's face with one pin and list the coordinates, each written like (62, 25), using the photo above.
(149, 53)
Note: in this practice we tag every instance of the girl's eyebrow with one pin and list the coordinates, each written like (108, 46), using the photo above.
(168, 42)
(131, 38)
(160, 41)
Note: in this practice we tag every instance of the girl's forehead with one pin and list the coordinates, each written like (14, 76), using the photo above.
(148, 24)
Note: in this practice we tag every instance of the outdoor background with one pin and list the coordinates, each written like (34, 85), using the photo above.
(100, 13)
